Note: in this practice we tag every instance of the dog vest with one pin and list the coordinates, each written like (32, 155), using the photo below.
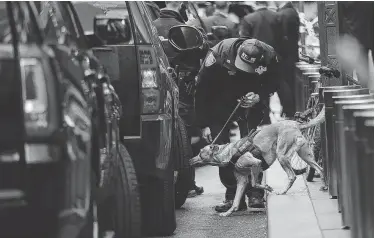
(248, 146)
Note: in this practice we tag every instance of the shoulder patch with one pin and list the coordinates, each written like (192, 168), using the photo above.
(210, 60)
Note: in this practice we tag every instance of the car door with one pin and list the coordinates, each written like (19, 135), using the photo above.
(121, 62)
(61, 36)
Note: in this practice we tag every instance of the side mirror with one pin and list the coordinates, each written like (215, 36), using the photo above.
(185, 37)
(220, 32)
(112, 30)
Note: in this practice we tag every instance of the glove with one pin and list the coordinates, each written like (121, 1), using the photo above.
(250, 99)
(206, 134)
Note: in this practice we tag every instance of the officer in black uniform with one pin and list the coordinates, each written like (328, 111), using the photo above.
(234, 68)
(189, 65)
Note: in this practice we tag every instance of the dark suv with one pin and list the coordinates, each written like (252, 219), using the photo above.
(114, 179)
(141, 77)
(46, 133)
(59, 153)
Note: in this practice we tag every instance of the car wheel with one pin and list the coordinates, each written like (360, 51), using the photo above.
(183, 186)
(185, 173)
(120, 212)
(128, 207)
(90, 230)
(158, 210)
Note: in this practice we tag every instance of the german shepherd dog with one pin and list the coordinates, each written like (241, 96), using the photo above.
(280, 140)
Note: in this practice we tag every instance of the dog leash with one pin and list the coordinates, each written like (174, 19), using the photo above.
(230, 117)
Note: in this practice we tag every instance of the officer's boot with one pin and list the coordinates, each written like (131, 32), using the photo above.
(227, 204)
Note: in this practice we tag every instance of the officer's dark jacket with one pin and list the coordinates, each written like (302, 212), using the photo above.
(263, 25)
(217, 90)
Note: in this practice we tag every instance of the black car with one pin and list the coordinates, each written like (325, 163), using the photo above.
(59, 156)
(116, 190)
(122, 36)
(46, 140)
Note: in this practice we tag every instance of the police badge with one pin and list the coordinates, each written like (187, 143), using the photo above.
(210, 60)
(260, 70)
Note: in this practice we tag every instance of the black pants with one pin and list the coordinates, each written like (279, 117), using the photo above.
(226, 174)
(286, 89)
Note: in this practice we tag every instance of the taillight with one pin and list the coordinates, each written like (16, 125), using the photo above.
(152, 92)
(35, 96)
(36, 111)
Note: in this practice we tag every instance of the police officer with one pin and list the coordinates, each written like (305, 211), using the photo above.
(190, 64)
(234, 68)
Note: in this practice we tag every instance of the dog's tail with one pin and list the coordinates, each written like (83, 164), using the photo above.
(320, 118)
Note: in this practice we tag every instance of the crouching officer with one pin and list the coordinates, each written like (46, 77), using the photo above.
(234, 68)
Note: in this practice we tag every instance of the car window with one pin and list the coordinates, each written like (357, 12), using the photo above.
(154, 10)
(140, 27)
(154, 33)
(25, 26)
(57, 24)
(87, 11)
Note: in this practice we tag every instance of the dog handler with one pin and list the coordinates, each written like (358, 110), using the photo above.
(234, 68)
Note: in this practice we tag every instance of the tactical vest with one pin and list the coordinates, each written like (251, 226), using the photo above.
(248, 146)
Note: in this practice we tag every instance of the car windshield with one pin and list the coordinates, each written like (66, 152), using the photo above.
(87, 11)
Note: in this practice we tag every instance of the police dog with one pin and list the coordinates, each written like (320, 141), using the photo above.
(280, 140)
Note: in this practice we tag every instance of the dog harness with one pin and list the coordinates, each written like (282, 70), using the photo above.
(248, 146)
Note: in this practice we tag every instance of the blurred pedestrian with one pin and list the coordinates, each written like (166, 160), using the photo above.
(263, 25)
(234, 68)
(289, 24)
(220, 18)
(355, 48)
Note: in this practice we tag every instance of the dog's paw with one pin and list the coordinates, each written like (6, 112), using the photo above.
(225, 214)
(281, 193)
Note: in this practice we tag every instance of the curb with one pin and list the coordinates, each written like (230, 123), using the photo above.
(291, 215)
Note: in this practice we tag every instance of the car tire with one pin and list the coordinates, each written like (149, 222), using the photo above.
(90, 230)
(158, 209)
(120, 211)
(128, 220)
(185, 176)
(183, 186)
(184, 145)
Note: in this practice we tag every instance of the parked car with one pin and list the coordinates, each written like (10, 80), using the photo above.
(122, 36)
(46, 145)
(117, 194)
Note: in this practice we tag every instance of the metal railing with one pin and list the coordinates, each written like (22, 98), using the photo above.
(347, 146)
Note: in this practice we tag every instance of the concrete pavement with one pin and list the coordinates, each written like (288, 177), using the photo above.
(304, 212)
(198, 219)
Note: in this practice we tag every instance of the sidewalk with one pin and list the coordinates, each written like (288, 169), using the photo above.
(304, 212)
